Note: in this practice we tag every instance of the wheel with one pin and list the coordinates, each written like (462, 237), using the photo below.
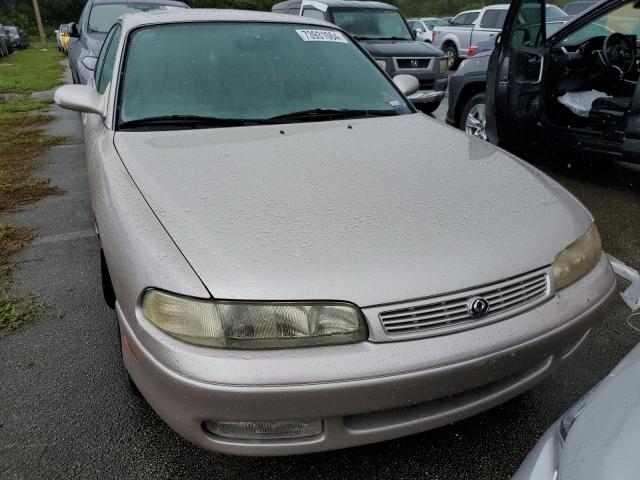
(452, 54)
(428, 107)
(107, 287)
(474, 118)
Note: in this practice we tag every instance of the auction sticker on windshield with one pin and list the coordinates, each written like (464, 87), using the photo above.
(321, 36)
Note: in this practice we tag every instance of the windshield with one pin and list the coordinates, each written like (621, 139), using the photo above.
(553, 12)
(12, 30)
(372, 23)
(624, 20)
(248, 71)
(104, 16)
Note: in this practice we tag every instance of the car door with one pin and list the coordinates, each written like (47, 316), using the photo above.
(515, 74)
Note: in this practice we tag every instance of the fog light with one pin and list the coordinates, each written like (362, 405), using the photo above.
(265, 430)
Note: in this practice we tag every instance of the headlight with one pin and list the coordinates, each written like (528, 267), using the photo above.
(383, 64)
(578, 259)
(244, 324)
(444, 65)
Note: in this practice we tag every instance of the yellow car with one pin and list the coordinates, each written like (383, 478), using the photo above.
(64, 39)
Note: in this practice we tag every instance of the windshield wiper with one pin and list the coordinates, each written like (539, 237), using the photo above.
(331, 113)
(392, 38)
(186, 121)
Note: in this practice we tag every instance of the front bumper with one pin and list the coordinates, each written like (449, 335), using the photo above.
(436, 94)
(366, 392)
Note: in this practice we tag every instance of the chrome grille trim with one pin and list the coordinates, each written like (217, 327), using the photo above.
(444, 313)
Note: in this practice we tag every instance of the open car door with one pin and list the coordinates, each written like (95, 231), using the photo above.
(514, 77)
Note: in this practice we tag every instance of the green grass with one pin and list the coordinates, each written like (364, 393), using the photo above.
(22, 143)
(14, 311)
(31, 70)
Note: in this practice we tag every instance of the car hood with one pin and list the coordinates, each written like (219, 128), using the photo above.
(370, 210)
(400, 48)
(603, 441)
(94, 42)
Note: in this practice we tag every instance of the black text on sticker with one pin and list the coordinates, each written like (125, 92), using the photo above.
(321, 36)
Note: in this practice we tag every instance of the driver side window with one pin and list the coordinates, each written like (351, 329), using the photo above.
(106, 59)
(624, 20)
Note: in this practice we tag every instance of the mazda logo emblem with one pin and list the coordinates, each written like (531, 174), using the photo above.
(478, 307)
(414, 63)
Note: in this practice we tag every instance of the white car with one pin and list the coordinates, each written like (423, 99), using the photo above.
(423, 27)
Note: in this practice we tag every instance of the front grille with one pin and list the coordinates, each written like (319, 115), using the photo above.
(413, 62)
(448, 310)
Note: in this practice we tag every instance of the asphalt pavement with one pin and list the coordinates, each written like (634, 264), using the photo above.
(66, 410)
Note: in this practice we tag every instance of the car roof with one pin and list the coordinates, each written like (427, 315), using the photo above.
(499, 6)
(173, 3)
(344, 4)
(133, 20)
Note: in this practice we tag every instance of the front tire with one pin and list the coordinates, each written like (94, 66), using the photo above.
(452, 55)
(474, 118)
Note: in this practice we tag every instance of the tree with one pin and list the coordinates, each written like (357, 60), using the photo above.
(56, 12)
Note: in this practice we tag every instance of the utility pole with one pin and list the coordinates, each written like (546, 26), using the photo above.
(36, 8)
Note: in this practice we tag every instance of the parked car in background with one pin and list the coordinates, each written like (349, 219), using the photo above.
(465, 18)
(383, 32)
(576, 8)
(456, 39)
(4, 46)
(575, 89)
(66, 39)
(60, 33)
(597, 438)
(428, 295)
(18, 39)
(95, 21)
(423, 27)
(4, 34)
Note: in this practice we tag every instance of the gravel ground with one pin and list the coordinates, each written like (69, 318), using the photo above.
(66, 412)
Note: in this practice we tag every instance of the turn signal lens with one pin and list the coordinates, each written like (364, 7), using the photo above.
(578, 259)
(444, 65)
(243, 324)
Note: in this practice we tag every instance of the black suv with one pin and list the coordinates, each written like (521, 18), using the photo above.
(384, 33)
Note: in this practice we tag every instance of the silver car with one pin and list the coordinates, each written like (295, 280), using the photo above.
(288, 276)
(597, 438)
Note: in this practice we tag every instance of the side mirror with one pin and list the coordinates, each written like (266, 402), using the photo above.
(408, 84)
(80, 98)
(73, 30)
(89, 62)
(56, 32)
